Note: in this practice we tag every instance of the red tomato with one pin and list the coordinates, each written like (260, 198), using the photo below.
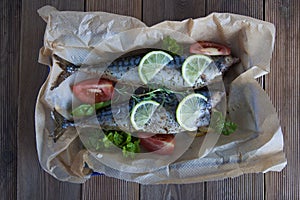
(209, 48)
(160, 143)
(93, 90)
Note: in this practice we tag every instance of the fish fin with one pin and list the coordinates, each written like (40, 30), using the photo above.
(62, 63)
(61, 125)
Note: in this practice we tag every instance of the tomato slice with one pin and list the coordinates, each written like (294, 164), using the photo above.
(93, 90)
(163, 144)
(209, 48)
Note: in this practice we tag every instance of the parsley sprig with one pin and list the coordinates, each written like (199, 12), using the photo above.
(221, 124)
(229, 127)
(171, 45)
(129, 144)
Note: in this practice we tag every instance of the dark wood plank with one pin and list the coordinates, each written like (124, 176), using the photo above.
(243, 7)
(283, 86)
(247, 186)
(33, 182)
(10, 23)
(172, 191)
(155, 11)
(130, 8)
(102, 187)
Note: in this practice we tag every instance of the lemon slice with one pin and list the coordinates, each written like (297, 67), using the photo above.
(151, 64)
(142, 113)
(193, 67)
(189, 110)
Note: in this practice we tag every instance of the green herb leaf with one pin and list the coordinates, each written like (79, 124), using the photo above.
(88, 109)
(171, 45)
(83, 110)
(131, 148)
(102, 104)
(217, 121)
(118, 139)
(229, 127)
(129, 145)
(107, 140)
(221, 124)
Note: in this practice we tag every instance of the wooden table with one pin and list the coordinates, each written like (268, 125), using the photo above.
(21, 176)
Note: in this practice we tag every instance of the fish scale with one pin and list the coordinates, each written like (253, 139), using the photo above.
(170, 75)
(117, 116)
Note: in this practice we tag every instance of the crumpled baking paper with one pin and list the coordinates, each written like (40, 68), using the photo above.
(91, 37)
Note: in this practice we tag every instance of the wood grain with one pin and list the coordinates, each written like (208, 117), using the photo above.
(173, 191)
(252, 8)
(33, 182)
(155, 11)
(122, 7)
(10, 13)
(102, 187)
(283, 86)
(248, 186)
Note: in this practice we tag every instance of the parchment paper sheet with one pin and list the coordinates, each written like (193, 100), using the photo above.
(257, 145)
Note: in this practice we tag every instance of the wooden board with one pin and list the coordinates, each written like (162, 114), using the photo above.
(125, 7)
(21, 176)
(156, 11)
(10, 26)
(102, 187)
(33, 182)
(172, 191)
(283, 86)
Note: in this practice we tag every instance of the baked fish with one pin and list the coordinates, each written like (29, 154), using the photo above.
(125, 70)
(117, 115)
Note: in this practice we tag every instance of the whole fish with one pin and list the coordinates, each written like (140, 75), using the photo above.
(124, 70)
(117, 116)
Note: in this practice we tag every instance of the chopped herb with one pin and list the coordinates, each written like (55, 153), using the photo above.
(129, 145)
(221, 124)
(171, 45)
(229, 127)
(131, 148)
(107, 140)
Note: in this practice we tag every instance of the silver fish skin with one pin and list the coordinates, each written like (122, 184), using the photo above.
(126, 71)
(117, 117)
(118, 68)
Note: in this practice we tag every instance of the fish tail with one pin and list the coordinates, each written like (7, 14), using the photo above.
(61, 125)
